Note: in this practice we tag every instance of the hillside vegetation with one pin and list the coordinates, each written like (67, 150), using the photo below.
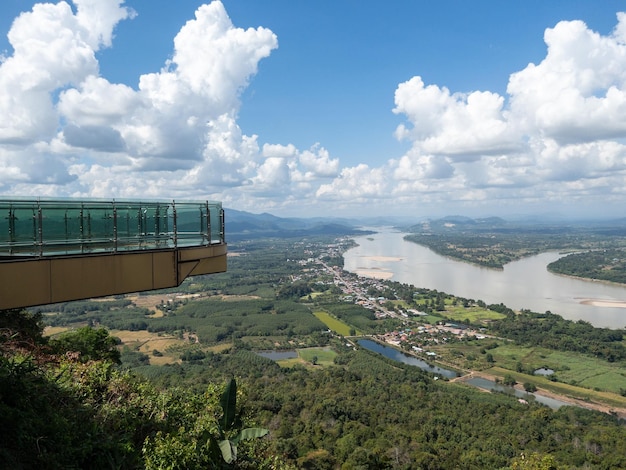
(84, 399)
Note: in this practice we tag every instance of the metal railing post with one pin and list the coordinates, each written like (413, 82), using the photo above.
(40, 227)
(114, 227)
(82, 227)
(175, 224)
(208, 224)
(222, 225)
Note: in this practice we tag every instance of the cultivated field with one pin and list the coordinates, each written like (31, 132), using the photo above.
(333, 323)
(147, 342)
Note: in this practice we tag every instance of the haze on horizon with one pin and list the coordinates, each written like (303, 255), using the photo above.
(504, 108)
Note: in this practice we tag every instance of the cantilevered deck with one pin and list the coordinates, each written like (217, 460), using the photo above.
(67, 249)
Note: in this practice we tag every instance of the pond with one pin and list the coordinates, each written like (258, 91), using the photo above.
(278, 355)
(394, 354)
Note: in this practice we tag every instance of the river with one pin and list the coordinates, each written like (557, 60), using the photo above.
(523, 284)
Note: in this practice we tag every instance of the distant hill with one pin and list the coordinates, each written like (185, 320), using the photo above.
(243, 225)
(460, 223)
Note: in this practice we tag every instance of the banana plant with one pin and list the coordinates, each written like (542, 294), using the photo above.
(230, 422)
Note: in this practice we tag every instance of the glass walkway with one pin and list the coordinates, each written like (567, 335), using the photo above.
(55, 250)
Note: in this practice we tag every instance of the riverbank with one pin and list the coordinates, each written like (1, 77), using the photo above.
(586, 279)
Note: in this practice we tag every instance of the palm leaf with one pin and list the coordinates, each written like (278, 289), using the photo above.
(228, 402)
(229, 451)
(250, 433)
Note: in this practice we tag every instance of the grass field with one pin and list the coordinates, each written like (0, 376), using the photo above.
(586, 373)
(334, 324)
(398, 303)
(610, 399)
(54, 330)
(288, 363)
(220, 348)
(146, 342)
(325, 356)
(570, 368)
(304, 298)
(473, 314)
(150, 302)
(430, 319)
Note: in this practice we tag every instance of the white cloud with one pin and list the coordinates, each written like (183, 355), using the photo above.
(357, 183)
(577, 93)
(216, 59)
(420, 167)
(563, 122)
(97, 102)
(459, 125)
(182, 114)
(317, 162)
(53, 48)
(557, 135)
(278, 150)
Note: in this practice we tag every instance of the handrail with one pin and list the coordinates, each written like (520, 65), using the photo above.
(50, 227)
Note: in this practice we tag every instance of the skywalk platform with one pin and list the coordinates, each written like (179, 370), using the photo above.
(66, 249)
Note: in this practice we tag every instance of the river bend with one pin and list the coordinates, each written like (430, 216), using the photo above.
(523, 284)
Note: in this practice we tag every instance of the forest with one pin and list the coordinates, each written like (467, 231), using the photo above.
(605, 265)
(493, 243)
(139, 381)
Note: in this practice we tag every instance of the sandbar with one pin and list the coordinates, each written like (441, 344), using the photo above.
(383, 258)
(604, 303)
(374, 273)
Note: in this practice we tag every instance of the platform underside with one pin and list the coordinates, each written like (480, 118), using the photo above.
(27, 282)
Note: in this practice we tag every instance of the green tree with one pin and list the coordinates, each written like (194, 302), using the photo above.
(92, 344)
(21, 327)
(201, 441)
(530, 387)
(509, 380)
(535, 461)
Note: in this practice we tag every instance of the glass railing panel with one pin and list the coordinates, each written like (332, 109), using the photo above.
(18, 228)
(216, 226)
(23, 227)
(61, 229)
(98, 223)
(155, 224)
(49, 227)
(191, 224)
(128, 224)
(60, 224)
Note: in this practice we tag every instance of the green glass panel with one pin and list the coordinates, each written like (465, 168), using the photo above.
(49, 227)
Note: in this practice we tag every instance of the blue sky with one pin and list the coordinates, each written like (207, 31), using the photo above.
(317, 108)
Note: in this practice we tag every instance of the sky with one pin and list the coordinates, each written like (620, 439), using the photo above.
(327, 108)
